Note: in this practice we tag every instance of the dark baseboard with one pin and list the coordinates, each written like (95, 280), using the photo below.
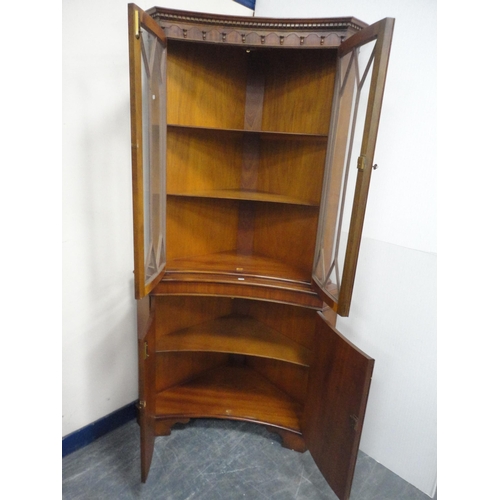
(91, 432)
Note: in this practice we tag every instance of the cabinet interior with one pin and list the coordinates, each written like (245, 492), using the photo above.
(232, 358)
(245, 160)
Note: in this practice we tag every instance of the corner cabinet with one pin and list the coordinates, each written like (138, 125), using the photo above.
(252, 149)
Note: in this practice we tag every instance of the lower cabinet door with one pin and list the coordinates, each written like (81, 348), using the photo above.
(146, 351)
(339, 382)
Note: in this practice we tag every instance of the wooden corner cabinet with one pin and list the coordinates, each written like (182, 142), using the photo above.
(252, 150)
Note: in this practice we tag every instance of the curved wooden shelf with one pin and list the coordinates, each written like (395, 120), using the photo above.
(263, 134)
(234, 263)
(237, 335)
(246, 195)
(232, 392)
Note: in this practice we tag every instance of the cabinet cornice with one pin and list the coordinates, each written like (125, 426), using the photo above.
(252, 31)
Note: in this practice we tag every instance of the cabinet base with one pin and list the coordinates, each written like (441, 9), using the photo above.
(289, 439)
(163, 427)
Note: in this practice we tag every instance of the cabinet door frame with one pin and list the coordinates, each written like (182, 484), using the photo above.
(340, 298)
(138, 22)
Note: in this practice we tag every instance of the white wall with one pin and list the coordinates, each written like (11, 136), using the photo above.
(99, 339)
(393, 314)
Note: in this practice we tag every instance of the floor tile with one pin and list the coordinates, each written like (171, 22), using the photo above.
(214, 460)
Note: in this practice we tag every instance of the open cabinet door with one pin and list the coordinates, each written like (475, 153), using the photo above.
(359, 88)
(146, 323)
(339, 382)
(147, 51)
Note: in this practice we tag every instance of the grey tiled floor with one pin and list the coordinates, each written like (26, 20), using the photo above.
(215, 460)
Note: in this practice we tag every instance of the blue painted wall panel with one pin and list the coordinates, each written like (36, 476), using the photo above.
(247, 3)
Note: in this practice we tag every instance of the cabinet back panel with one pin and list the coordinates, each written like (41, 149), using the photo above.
(178, 311)
(286, 233)
(206, 85)
(173, 368)
(201, 161)
(292, 168)
(296, 323)
(299, 90)
(291, 379)
(199, 226)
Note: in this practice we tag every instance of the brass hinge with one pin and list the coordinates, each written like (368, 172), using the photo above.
(141, 405)
(136, 24)
(146, 353)
(361, 163)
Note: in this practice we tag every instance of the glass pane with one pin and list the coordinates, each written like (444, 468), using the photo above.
(154, 153)
(352, 90)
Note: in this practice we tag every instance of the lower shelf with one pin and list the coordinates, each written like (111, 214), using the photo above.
(234, 392)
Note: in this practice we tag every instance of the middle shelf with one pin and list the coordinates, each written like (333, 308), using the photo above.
(236, 334)
(228, 325)
(248, 165)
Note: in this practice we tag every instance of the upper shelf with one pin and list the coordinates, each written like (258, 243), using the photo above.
(245, 195)
(263, 134)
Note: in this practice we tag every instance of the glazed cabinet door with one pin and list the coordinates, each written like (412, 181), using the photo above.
(147, 50)
(361, 73)
(339, 381)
